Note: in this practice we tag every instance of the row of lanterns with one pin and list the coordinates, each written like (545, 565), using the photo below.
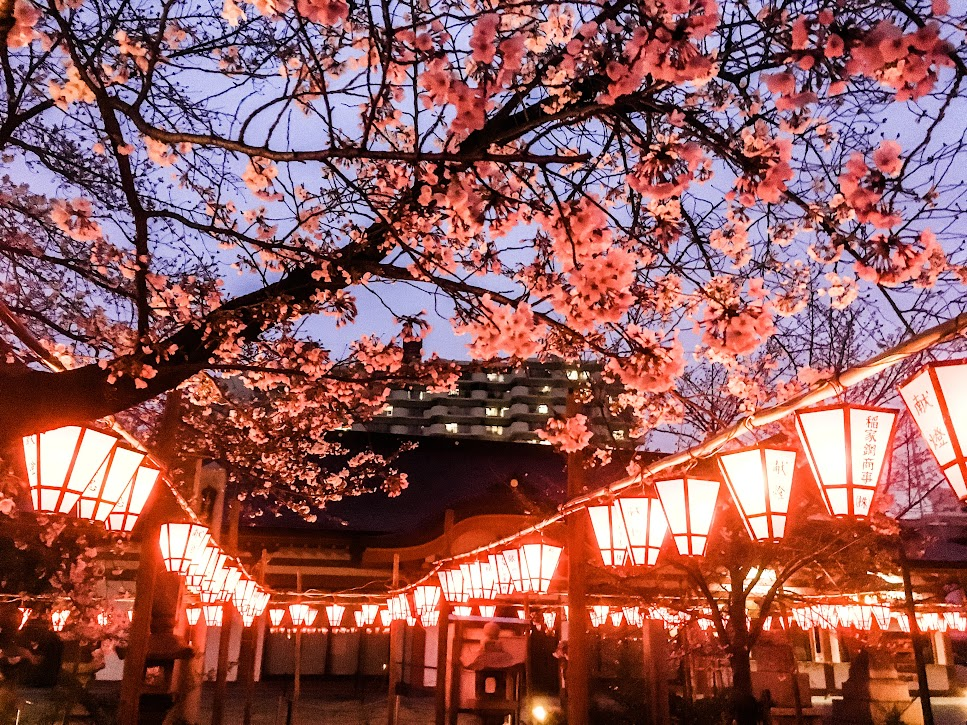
(89, 474)
(190, 550)
(59, 616)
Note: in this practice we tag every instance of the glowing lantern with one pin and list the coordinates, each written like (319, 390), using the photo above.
(616, 618)
(103, 619)
(385, 617)
(192, 614)
(302, 615)
(214, 570)
(205, 560)
(61, 464)
(479, 579)
(462, 610)
(846, 446)
(248, 619)
(245, 596)
(334, 614)
(532, 566)
(599, 614)
(276, 615)
(610, 532)
(521, 613)
(689, 505)
(130, 615)
(126, 511)
(25, 613)
(399, 607)
(903, 621)
(881, 615)
(180, 543)
(634, 616)
(760, 480)
(630, 530)
(58, 618)
(430, 619)
(504, 583)
(955, 621)
(426, 597)
(109, 484)
(454, 588)
(212, 614)
(934, 397)
(488, 611)
(550, 619)
(368, 612)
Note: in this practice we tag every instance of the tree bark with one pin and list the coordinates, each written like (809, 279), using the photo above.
(744, 708)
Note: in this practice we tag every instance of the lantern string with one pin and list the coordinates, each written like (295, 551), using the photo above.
(821, 389)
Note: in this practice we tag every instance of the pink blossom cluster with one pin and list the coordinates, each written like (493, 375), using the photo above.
(75, 219)
(892, 261)
(569, 435)
(732, 325)
(651, 367)
(502, 329)
(861, 185)
(767, 168)
(667, 167)
(25, 18)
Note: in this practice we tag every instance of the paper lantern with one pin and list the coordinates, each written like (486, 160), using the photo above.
(629, 531)
(599, 614)
(846, 446)
(180, 543)
(192, 614)
(399, 607)
(935, 398)
(521, 613)
(610, 533)
(109, 483)
(634, 616)
(503, 582)
(689, 505)
(334, 614)
(62, 463)
(760, 480)
(58, 618)
(130, 615)
(550, 619)
(532, 566)
(212, 614)
(453, 586)
(426, 597)
(616, 617)
(302, 615)
(462, 610)
(25, 613)
(276, 615)
(204, 561)
(479, 579)
(488, 611)
(368, 612)
(385, 617)
(103, 619)
(881, 615)
(430, 619)
(126, 511)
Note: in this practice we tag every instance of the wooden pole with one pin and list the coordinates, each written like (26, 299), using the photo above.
(916, 638)
(297, 673)
(443, 641)
(228, 621)
(248, 647)
(140, 632)
(578, 670)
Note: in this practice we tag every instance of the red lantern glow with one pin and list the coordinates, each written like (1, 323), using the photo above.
(532, 566)
(462, 610)
(935, 397)
(504, 582)
(212, 614)
(61, 464)
(180, 543)
(760, 481)
(302, 615)
(125, 513)
(109, 484)
(479, 579)
(426, 598)
(488, 611)
(276, 615)
(430, 619)
(192, 614)
(334, 614)
(689, 505)
(629, 531)
(453, 586)
(846, 446)
(550, 619)
(599, 614)
(368, 612)
(25, 613)
(58, 618)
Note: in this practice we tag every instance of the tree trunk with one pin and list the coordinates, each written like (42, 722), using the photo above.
(744, 706)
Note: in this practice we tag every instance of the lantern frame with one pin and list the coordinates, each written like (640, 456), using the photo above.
(776, 511)
(688, 540)
(45, 460)
(192, 615)
(110, 483)
(533, 565)
(214, 614)
(302, 615)
(479, 579)
(955, 467)
(128, 509)
(503, 581)
(276, 615)
(849, 485)
(426, 598)
(334, 614)
(453, 586)
(180, 542)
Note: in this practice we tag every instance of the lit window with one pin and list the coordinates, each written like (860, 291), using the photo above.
(619, 435)
(387, 410)
(542, 409)
(546, 389)
(495, 377)
(495, 430)
(490, 411)
(504, 412)
(453, 427)
(572, 374)
(454, 393)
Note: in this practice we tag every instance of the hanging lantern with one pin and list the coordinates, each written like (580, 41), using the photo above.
(488, 611)
(302, 615)
(430, 619)
(334, 614)
(192, 614)
(130, 615)
(616, 616)
(479, 579)
(629, 531)
(276, 615)
(760, 480)
(180, 543)
(58, 618)
(462, 610)
(955, 621)
(634, 616)
(385, 617)
(25, 613)
(881, 615)
(426, 597)
(454, 588)
(550, 619)
(369, 612)
(248, 619)
(125, 513)
(521, 613)
(599, 614)
(610, 532)
(212, 614)
(399, 607)
(103, 619)
(504, 582)
(245, 597)
(846, 446)
(203, 561)
(532, 566)
(109, 483)
(689, 505)
(935, 397)
(61, 464)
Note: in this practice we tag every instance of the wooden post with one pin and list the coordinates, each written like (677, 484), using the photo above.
(443, 640)
(297, 670)
(455, 669)
(576, 679)
(249, 644)
(916, 637)
(393, 677)
(655, 646)
(228, 621)
(140, 632)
